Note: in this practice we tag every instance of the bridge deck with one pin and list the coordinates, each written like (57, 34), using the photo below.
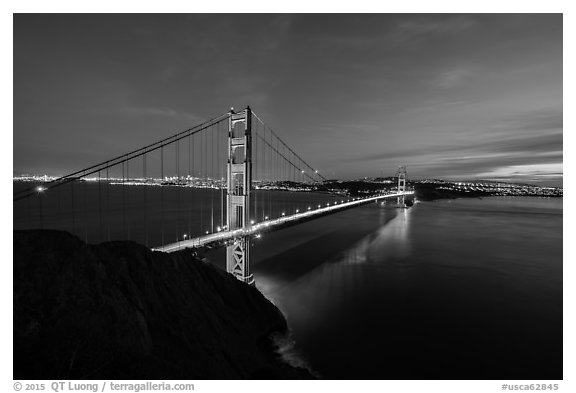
(271, 224)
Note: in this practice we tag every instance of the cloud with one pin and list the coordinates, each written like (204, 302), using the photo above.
(423, 28)
(536, 171)
(163, 112)
(522, 152)
(536, 120)
(529, 145)
(452, 78)
(542, 168)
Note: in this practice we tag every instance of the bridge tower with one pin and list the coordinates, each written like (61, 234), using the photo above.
(238, 196)
(401, 184)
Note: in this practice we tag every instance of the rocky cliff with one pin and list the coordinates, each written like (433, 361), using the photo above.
(119, 311)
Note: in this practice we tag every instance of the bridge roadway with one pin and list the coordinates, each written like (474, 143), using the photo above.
(271, 224)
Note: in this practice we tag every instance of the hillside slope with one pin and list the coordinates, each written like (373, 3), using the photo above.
(119, 311)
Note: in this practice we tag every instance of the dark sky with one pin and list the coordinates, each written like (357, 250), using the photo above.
(450, 96)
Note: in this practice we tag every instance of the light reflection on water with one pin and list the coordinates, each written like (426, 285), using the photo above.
(333, 277)
(434, 292)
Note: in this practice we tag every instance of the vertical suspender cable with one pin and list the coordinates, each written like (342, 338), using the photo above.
(212, 154)
(123, 202)
(271, 169)
(177, 147)
(28, 203)
(39, 197)
(255, 167)
(193, 173)
(128, 198)
(72, 206)
(221, 169)
(108, 200)
(85, 208)
(189, 184)
(145, 179)
(100, 206)
(201, 163)
(162, 193)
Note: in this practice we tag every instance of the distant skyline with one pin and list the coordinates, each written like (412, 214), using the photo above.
(460, 97)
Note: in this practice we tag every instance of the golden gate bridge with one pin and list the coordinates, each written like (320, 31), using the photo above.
(223, 181)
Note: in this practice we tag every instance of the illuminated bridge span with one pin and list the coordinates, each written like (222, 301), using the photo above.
(265, 226)
(225, 180)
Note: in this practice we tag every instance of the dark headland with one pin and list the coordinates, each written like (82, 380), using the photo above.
(120, 311)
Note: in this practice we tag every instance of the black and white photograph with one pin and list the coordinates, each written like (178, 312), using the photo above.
(364, 196)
